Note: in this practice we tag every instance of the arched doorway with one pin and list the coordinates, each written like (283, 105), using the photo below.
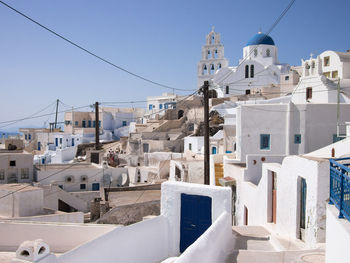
(180, 114)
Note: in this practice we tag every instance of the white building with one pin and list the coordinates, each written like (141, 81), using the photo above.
(213, 58)
(195, 144)
(157, 105)
(81, 177)
(320, 78)
(16, 166)
(259, 68)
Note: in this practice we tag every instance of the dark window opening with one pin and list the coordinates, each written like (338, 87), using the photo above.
(246, 71)
(227, 89)
(308, 93)
(12, 163)
(252, 71)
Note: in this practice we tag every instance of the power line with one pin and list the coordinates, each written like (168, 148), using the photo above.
(90, 52)
(291, 3)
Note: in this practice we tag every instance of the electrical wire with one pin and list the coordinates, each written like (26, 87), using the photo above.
(291, 3)
(90, 52)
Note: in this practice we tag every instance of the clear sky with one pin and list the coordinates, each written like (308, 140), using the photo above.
(158, 39)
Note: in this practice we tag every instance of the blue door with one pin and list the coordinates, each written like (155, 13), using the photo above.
(95, 187)
(56, 141)
(213, 150)
(39, 146)
(195, 218)
(72, 141)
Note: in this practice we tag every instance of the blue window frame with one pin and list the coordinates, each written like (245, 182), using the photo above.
(166, 106)
(82, 186)
(297, 138)
(95, 187)
(72, 141)
(29, 136)
(76, 123)
(99, 124)
(94, 124)
(56, 141)
(264, 141)
(60, 140)
(84, 124)
(124, 123)
(150, 106)
(160, 106)
(25, 136)
(89, 123)
(39, 146)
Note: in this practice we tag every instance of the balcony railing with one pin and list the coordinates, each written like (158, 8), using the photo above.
(340, 186)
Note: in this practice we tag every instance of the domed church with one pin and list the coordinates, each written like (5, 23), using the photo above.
(259, 68)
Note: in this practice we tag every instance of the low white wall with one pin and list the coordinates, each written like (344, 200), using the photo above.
(60, 237)
(171, 205)
(146, 241)
(76, 217)
(213, 246)
(337, 236)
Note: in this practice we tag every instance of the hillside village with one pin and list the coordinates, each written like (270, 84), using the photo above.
(132, 180)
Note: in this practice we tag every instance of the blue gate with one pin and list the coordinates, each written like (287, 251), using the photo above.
(195, 218)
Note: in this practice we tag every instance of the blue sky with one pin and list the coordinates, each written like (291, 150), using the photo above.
(157, 39)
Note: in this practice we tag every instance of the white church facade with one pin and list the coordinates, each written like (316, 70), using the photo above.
(259, 67)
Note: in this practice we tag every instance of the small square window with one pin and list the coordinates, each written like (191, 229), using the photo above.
(124, 123)
(82, 186)
(76, 123)
(12, 163)
(297, 138)
(150, 106)
(286, 78)
(264, 141)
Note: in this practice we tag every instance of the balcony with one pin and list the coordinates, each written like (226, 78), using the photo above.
(340, 186)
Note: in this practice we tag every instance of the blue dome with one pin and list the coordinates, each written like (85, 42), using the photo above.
(260, 39)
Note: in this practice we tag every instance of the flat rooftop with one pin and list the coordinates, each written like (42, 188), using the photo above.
(116, 199)
(18, 187)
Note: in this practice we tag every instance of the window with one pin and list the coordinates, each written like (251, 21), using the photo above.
(326, 61)
(246, 71)
(264, 141)
(60, 186)
(2, 174)
(227, 89)
(82, 186)
(72, 141)
(286, 78)
(327, 74)
(89, 123)
(39, 146)
(205, 71)
(308, 93)
(297, 138)
(247, 91)
(95, 187)
(160, 106)
(56, 141)
(252, 71)
(12, 163)
(335, 74)
(255, 52)
(84, 123)
(212, 69)
(25, 136)
(76, 123)
(190, 146)
(94, 124)
(165, 106)
(29, 136)
(60, 140)
(25, 173)
(145, 147)
(124, 123)
(268, 52)
(219, 66)
(99, 124)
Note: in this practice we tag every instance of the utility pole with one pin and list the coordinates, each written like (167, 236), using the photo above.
(56, 112)
(205, 90)
(97, 127)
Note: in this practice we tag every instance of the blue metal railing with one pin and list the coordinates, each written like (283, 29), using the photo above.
(339, 188)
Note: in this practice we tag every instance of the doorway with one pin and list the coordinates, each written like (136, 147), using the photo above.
(195, 218)
(274, 197)
(303, 193)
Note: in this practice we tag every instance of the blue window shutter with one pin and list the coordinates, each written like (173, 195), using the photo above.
(264, 141)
